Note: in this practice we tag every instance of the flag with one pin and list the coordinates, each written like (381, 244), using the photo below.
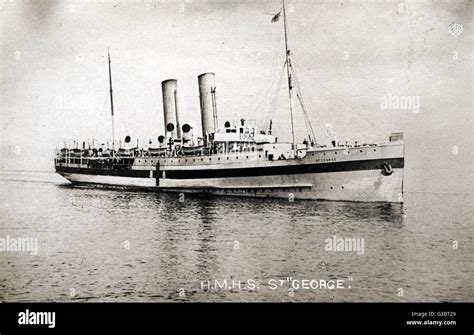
(276, 17)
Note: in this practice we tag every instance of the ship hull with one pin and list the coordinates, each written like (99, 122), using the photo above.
(346, 175)
(364, 186)
(108, 181)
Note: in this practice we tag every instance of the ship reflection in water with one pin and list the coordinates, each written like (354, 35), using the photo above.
(103, 245)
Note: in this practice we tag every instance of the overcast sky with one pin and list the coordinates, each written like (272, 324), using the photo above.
(350, 56)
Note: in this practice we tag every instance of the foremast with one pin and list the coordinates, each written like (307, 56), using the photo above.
(288, 72)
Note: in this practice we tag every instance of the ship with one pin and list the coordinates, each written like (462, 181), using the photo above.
(239, 157)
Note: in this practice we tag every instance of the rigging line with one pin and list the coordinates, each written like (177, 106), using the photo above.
(275, 56)
(276, 92)
(122, 118)
(102, 108)
(271, 104)
(299, 95)
(272, 76)
(276, 96)
(320, 121)
(274, 65)
(305, 110)
(305, 114)
(309, 128)
(304, 105)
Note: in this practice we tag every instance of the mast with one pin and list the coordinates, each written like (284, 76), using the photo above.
(111, 102)
(288, 72)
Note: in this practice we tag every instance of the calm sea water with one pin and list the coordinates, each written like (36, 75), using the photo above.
(105, 245)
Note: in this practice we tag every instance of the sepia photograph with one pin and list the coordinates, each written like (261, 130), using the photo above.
(176, 152)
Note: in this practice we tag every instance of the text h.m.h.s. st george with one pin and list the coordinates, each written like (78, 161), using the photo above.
(37, 318)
